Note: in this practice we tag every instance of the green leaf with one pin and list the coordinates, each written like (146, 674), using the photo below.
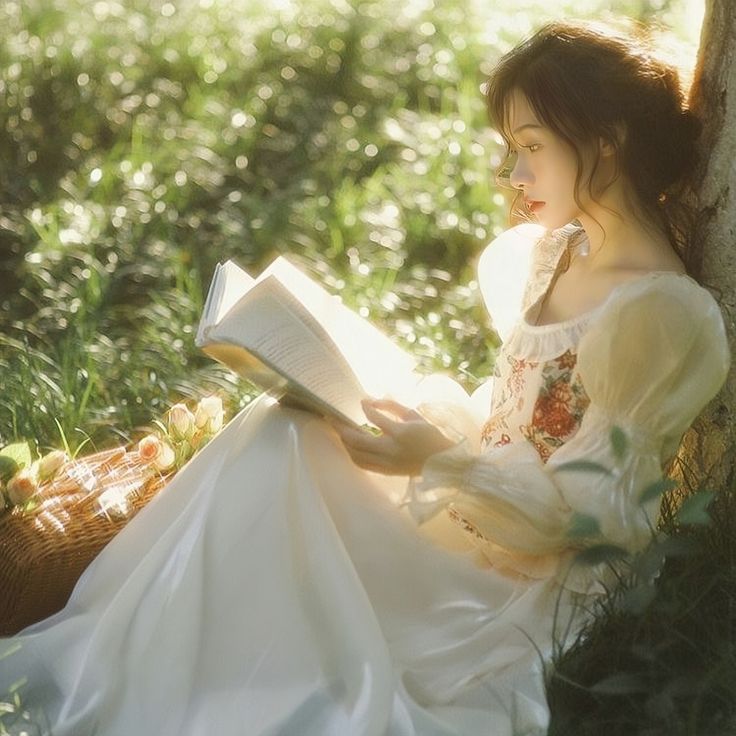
(8, 467)
(620, 442)
(64, 440)
(584, 465)
(694, 509)
(601, 553)
(80, 447)
(621, 684)
(20, 453)
(583, 525)
(656, 489)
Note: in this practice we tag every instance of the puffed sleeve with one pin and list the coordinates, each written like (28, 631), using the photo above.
(512, 268)
(649, 362)
(505, 268)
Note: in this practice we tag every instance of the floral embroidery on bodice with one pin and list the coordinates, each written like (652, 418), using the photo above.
(559, 407)
(540, 401)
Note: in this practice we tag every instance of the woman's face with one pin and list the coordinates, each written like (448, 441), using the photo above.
(545, 167)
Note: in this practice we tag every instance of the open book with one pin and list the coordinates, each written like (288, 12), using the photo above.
(289, 336)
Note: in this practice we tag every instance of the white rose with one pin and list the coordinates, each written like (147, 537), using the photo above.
(181, 422)
(166, 457)
(209, 414)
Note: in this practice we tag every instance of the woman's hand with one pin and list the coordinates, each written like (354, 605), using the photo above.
(404, 444)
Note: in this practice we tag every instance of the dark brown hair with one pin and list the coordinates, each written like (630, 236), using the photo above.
(587, 81)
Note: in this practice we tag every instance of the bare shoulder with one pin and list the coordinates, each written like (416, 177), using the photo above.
(656, 261)
(578, 290)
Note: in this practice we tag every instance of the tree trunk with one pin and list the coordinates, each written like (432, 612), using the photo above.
(708, 454)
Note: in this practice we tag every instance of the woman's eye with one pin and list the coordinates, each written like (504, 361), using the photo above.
(533, 148)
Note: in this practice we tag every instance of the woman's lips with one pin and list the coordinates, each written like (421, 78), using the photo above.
(533, 205)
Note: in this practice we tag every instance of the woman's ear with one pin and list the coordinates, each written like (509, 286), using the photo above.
(607, 148)
(610, 146)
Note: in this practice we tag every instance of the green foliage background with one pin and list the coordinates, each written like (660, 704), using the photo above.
(144, 141)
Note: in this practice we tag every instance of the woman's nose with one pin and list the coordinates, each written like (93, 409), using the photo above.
(521, 174)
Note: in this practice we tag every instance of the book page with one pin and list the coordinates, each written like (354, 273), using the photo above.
(380, 366)
(271, 324)
(229, 283)
(236, 284)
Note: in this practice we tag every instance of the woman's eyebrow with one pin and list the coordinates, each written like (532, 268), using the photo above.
(527, 125)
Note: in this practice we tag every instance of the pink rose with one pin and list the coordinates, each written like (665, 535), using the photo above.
(22, 487)
(149, 447)
(154, 451)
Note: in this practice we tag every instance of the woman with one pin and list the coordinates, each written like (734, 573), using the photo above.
(276, 588)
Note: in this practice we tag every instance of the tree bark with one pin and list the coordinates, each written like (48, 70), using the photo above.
(708, 453)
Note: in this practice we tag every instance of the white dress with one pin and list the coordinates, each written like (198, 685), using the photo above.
(274, 589)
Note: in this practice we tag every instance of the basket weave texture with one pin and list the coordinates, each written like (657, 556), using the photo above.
(45, 548)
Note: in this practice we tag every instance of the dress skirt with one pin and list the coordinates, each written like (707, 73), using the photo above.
(275, 589)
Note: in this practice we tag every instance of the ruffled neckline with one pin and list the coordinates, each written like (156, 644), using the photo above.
(545, 342)
(527, 326)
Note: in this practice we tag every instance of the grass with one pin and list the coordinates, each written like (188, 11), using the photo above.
(140, 149)
(659, 658)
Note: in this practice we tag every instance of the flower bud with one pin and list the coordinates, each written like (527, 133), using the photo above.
(181, 422)
(21, 487)
(209, 414)
(50, 463)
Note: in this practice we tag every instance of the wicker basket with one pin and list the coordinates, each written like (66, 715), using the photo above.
(45, 549)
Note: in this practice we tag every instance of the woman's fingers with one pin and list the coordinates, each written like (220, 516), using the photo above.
(362, 441)
(384, 423)
(394, 407)
(369, 451)
(403, 445)
(378, 453)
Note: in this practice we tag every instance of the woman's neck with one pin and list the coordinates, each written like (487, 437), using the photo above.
(619, 239)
